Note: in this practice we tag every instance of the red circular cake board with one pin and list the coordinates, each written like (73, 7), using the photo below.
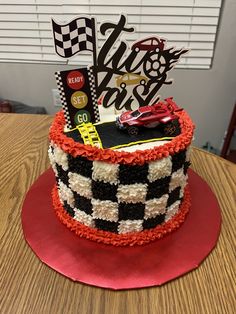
(121, 267)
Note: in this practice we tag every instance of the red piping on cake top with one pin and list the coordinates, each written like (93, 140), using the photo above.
(139, 157)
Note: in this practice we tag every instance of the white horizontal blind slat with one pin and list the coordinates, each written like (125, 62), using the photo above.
(25, 26)
(19, 9)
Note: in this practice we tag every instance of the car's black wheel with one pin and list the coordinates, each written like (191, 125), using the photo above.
(122, 85)
(133, 130)
(171, 128)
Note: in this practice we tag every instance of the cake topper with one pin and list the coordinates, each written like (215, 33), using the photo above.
(123, 77)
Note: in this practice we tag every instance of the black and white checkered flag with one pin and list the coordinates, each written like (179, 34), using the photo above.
(70, 38)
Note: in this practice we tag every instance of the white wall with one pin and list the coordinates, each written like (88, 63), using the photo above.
(208, 95)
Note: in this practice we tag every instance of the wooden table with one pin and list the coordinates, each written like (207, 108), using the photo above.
(29, 286)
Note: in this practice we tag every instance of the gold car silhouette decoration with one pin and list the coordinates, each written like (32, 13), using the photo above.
(130, 79)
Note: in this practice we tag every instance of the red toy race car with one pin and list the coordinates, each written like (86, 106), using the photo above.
(160, 114)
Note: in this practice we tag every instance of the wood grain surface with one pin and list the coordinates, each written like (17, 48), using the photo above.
(29, 286)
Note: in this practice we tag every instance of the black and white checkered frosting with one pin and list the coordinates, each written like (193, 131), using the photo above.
(116, 197)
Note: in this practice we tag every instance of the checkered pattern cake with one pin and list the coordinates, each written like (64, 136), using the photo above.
(120, 198)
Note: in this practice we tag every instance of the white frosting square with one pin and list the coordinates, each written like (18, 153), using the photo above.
(132, 193)
(172, 210)
(126, 226)
(84, 218)
(65, 194)
(178, 178)
(106, 210)
(155, 206)
(159, 169)
(60, 157)
(103, 171)
(80, 184)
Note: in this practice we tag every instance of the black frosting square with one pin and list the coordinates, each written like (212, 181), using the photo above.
(131, 211)
(133, 174)
(158, 188)
(173, 196)
(153, 222)
(106, 225)
(62, 175)
(186, 166)
(178, 160)
(83, 203)
(69, 209)
(104, 191)
(80, 165)
(52, 149)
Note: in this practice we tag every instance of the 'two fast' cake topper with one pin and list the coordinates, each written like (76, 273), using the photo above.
(121, 76)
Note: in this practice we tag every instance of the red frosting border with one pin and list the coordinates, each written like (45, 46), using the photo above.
(131, 239)
(139, 157)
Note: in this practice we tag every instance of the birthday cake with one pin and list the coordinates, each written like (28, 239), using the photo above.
(122, 182)
(119, 197)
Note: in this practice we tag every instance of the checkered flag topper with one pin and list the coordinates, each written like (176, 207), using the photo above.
(73, 37)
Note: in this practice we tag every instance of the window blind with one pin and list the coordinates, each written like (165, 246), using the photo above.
(26, 36)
